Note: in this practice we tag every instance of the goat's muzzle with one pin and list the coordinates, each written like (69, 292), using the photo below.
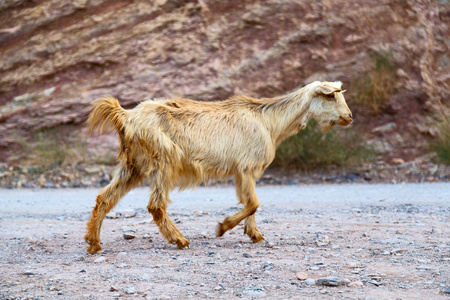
(345, 121)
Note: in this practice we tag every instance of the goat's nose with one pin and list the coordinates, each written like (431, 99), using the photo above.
(351, 116)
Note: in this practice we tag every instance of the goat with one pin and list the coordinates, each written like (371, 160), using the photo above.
(181, 142)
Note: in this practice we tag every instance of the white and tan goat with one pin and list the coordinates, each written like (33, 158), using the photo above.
(180, 143)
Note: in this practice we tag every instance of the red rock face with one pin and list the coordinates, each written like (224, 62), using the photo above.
(57, 56)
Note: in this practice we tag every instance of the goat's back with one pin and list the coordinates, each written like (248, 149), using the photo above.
(218, 137)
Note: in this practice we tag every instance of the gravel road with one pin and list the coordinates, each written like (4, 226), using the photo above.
(379, 241)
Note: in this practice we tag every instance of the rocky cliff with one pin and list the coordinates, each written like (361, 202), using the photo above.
(58, 55)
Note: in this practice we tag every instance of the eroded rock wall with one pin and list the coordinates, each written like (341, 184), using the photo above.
(58, 55)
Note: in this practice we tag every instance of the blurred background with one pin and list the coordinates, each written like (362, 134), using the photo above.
(392, 56)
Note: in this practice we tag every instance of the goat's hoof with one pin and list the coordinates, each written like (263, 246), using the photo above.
(256, 237)
(183, 244)
(94, 248)
(219, 229)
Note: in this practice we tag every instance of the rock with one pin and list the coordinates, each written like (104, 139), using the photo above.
(447, 290)
(28, 273)
(131, 290)
(127, 228)
(355, 284)
(29, 240)
(255, 292)
(270, 245)
(397, 251)
(112, 215)
(267, 265)
(198, 213)
(99, 259)
(128, 213)
(302, 276)
(92, 170)
(128, 236)
(309, 281)
(246, 255)
(398, 161)
(375, 282)
(330, 281)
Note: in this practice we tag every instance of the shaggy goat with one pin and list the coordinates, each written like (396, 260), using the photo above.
(182, 142)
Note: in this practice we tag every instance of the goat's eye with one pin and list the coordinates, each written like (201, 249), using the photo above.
(330, 96)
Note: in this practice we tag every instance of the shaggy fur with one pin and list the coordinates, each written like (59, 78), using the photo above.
(181, 143)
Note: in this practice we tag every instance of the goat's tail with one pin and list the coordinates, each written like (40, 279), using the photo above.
(106, 113)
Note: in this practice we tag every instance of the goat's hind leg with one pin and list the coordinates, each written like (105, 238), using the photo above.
(157, 206)
(125, 178)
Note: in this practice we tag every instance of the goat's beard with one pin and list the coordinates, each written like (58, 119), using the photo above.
(326, 126)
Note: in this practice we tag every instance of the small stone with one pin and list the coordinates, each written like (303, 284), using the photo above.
(92, 170)
(447, 290)
(398, 161)
(128, 236)
(28, 273)
(246, 255)
(355, 284)
(131, 290)
(270, 245)
(397, 251)
(127, 228)
(99, 259)
(29, 240)
(112, 215)
(310, 281)
(302, 276)
(329, 281)
(128, 213)
(267, 265)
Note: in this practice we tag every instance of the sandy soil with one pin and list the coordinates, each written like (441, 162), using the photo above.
(382, 241)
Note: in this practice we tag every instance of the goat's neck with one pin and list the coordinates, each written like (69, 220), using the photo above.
(286, 115)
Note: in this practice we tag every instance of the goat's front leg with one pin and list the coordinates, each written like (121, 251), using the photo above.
(245, 189)
(157, 206)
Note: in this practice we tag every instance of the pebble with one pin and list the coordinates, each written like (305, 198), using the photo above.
(246, 255)
(100, 259)
(302, 276)
(355, 284)
(131, 290)
(310, 281)
(128, 236)
(330, 281)
(270, 245)
(28, 273)
(447, 290)
(128, 213)
(267, 265)
(398, 161)
(127, 228)
(29, 240)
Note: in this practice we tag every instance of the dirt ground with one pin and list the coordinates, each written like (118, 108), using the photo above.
(381, 241)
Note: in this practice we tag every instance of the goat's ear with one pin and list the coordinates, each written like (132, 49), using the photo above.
(327, 89)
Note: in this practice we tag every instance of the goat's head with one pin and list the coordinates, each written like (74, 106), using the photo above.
(328, 105)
